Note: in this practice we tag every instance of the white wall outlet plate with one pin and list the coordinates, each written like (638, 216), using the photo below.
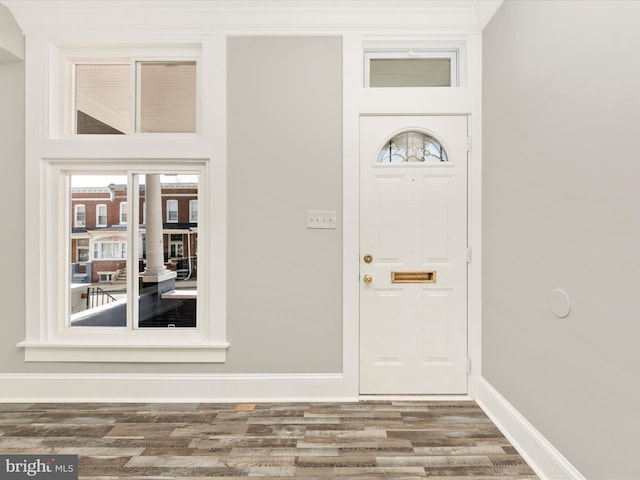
(321, 219)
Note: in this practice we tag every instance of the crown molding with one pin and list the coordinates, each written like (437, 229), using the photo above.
(207, 16)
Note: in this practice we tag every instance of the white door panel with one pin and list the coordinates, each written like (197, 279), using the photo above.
(413, 221)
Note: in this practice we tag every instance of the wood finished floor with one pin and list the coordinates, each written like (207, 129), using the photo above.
(381, 439)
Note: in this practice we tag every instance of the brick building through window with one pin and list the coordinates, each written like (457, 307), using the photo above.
(99, 239)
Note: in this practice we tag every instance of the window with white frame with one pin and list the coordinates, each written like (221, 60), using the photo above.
(79, 216)
(411, 67)
(163, 301)
(140, 300)
(163, 99)
(123, 212)
(193, 211)
(115, 97)
(172, 211)
(109, 250)
(101, 215)
(114, 91)
(105, 277)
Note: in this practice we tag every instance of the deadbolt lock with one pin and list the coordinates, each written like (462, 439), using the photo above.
(368, 258)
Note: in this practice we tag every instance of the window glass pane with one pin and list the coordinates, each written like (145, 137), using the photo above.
(168, 259)
(80, 216)
(168, 97)
(164, 254)
(410, 72)
(83, 255)
(101, 216)
(412, 146)
(172, 211)
(98, 286)
(193, 211)
(123, 212)
(103, 99)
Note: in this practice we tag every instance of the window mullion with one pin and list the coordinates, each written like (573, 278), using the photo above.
(136, 101)
(133, 235)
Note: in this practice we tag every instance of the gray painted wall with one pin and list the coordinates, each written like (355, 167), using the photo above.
(285, 143)
(284, 281)
(12, 244)
(561, 103)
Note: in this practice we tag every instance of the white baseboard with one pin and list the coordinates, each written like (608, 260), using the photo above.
(417, 398)
(232, 388)
(540, 454)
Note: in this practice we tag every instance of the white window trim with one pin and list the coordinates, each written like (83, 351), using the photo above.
(106, 215)
(63, 106)
(60, 342)
(49, 149)
(173, 202)
(76, 209)
(123, 212)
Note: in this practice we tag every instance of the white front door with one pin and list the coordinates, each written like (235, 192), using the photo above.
(413, 255)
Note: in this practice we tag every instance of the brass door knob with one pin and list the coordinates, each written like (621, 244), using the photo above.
(367, 279)
(368, 258)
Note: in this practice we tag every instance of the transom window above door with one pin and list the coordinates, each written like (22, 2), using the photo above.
(411, 68)
(412, 146)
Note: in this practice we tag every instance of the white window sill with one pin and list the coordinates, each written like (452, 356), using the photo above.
(57, 352)
(180, 294)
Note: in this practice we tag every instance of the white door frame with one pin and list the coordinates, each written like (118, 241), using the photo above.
(358, 101)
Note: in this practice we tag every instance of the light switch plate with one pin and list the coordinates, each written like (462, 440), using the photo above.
(321, 219)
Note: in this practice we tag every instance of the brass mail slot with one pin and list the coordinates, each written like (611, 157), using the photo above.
(426, 276)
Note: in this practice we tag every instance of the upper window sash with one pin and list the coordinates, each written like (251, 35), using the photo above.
(64, 100)
(129, 96)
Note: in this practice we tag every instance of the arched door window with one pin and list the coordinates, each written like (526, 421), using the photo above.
(412, 146)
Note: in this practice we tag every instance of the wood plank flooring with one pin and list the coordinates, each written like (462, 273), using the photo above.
(378, 439)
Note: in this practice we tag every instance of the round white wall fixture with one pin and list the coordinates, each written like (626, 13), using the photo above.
(560, 303)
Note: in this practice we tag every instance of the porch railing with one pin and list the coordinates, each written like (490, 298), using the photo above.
(97, 297)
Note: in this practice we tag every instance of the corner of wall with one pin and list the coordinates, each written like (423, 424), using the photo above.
(539, 453)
